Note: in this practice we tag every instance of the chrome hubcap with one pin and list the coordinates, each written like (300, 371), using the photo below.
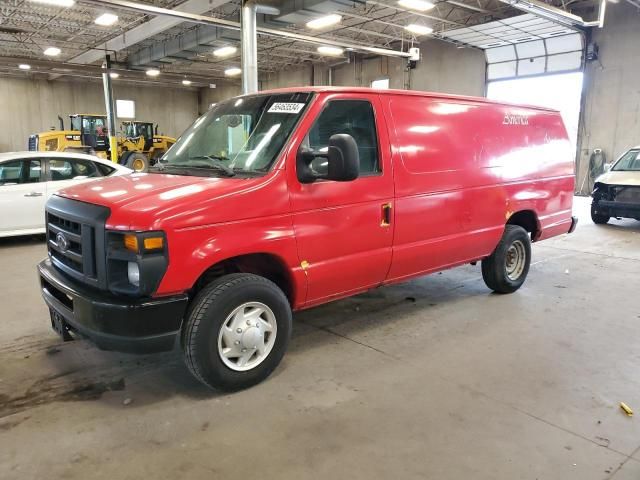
(515, 260)
(247, 336)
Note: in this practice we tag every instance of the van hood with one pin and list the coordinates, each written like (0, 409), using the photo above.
(142, 201)
(613, 177)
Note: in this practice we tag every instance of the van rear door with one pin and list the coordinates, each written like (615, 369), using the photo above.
(344, 230)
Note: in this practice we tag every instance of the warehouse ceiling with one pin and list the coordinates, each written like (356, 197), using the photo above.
(138, 41)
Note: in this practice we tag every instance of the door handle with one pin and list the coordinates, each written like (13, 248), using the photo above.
(386, 214)
(33, 194)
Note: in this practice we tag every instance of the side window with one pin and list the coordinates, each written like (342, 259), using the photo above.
(104, 169)
(354, 117)
(84, 168)
(60, 170)
(35, 169)
(11, 172)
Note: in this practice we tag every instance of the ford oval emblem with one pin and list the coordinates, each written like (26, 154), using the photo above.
(62, 242)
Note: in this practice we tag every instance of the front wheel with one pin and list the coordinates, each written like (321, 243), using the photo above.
(598, 218)
(236, 332)
(505, 270)
(136, 161)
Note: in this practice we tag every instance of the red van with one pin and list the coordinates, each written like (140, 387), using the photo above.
(287, 199)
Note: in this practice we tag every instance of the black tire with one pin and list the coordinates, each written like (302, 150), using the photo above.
(207, 315)
(495, 267)
(137, 162)
(598, 218)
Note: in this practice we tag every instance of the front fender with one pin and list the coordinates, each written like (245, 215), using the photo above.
(192, 251)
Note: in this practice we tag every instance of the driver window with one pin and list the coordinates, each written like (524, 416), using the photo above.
(354, 117)
(19, 172)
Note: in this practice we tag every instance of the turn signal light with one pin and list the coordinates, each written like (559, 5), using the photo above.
(131, 242)
(153, 243)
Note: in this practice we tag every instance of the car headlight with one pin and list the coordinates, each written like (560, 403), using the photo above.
(136, 262)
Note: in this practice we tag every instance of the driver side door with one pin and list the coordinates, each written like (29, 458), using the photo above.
(344, 230)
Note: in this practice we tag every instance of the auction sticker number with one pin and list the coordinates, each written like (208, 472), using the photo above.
(280, 107)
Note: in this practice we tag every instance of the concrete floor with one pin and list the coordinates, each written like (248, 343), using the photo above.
(435, 378)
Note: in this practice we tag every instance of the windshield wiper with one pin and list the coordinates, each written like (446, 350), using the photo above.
(217, 163)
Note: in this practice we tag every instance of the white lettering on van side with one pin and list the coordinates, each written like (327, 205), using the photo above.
(510, 119)
(281, 107)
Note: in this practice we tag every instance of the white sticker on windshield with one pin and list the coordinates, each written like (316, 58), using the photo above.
(281, 107)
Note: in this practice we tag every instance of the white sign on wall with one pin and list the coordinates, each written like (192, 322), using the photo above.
(125, 109)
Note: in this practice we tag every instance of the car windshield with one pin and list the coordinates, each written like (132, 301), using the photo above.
(629, 162)
(239, 136)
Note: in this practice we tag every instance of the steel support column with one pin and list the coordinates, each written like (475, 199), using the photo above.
(110, 108)
(249, 45)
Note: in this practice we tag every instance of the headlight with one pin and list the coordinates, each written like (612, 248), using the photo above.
(136, 262)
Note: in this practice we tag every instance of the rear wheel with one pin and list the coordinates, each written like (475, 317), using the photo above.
(137, 161)
(505, 270)
(236, 332)
(598, 218)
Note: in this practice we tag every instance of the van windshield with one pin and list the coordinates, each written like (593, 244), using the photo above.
(238, 136)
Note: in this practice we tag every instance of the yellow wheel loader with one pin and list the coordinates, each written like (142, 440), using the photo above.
(139, 146)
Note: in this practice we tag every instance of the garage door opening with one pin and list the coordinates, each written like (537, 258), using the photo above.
(561, 92)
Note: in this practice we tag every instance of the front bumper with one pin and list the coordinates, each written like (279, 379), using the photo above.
(617, 209)
(112, 323)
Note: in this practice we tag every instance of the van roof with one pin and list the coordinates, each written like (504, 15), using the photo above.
(416, 93)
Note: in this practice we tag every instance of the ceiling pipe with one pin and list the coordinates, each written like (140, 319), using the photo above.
(469, 7)
(126, 75)
(220, 22)
(558, 15)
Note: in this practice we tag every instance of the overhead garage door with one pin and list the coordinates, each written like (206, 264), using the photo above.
(523, 46)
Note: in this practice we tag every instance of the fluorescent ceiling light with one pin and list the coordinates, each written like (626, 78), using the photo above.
(230, 72)
(325, 21)
(153, 72)
(225, 51)
(52, 52)
(106, 19)
(24, 66)
(186, 82)
(419, 5)
(114, 74)
(418, 29)
(56, 3)
(332, 51)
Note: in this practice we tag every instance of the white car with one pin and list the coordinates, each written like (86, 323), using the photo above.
(616, 193)
(27, 179)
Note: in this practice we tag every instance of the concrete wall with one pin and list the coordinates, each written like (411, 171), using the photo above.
(611, 113)
(30, 106)
(443, 68)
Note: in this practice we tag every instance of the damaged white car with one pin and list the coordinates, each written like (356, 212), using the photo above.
(616, 193)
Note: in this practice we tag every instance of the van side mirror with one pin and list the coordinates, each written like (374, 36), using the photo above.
(343, 161)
